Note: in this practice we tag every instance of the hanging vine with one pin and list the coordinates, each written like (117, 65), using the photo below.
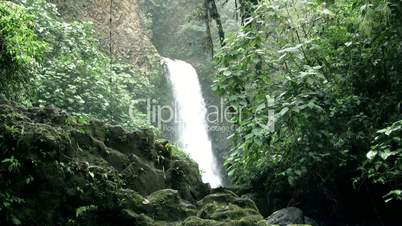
(111, 38)
(211, 13)
(111, 32)
(244, 8)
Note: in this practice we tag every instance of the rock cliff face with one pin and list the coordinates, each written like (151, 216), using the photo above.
(119, 25)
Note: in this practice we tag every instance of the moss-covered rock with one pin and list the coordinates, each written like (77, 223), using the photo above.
(196, 221)
(142, 176)
(225, 208)
(134, 218)
(167, 205)
(228, 197)
(246, 221)
(228, 206)
(184, 176)
(56, 169)
(54, 165)
(140, 142)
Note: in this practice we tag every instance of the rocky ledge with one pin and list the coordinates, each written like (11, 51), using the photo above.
(58, 169)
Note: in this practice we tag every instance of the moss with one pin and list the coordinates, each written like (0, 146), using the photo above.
(254, 220)
(97, 129)
(132, 218)
(140, 142)
(117, 159)
(228, 197)
(167, 205)
(142, 176)
(217, 211)
(218, 197)
(64, 168)
(185, 177)
(196, 221)
(246, 221)
(228, 207)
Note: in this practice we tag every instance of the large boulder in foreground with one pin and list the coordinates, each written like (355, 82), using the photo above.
(184, 176)
(166, 205)
(225, 209)
(143, 177)
(290, 216)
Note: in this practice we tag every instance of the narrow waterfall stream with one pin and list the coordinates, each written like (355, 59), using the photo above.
(192, 124)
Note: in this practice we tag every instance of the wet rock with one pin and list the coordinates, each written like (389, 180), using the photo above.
(143, 177)
(139, 142)
(196, 221)
(166, 205)
(133, 218)
(223, 212)
(117, 159)
(284, 217)
(97, 129)
(40, 140)
(228, 197)
(184, 176)
(229, 208)
(310, 221)
(246, 221)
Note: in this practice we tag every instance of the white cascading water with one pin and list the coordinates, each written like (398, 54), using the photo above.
(192, 124)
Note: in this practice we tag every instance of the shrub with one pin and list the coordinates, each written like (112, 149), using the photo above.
(20, 47)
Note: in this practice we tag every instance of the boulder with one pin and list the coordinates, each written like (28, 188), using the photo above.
(228, 197)
(230, 209)
(196, 221)
(284, 217)
(132, 218)
(223, 212)
(184, 176)
(166, 205)
(140, 142)
(143, 177)
(245, 221)
(310, 221)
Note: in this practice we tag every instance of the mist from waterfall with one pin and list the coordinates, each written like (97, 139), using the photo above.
(192, 124)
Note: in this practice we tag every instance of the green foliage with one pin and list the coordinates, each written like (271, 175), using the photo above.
(8, 200)
(393, 195)
(20, 48)
(12, 164)
(179, 153)
(81, 211)
(8, 203)
(384, 160)
(75, 74)
(310, 83)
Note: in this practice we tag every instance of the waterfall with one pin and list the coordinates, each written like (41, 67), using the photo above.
(192, 124)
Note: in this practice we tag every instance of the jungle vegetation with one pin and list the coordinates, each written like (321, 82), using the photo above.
(315, 87)
(330, 73)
